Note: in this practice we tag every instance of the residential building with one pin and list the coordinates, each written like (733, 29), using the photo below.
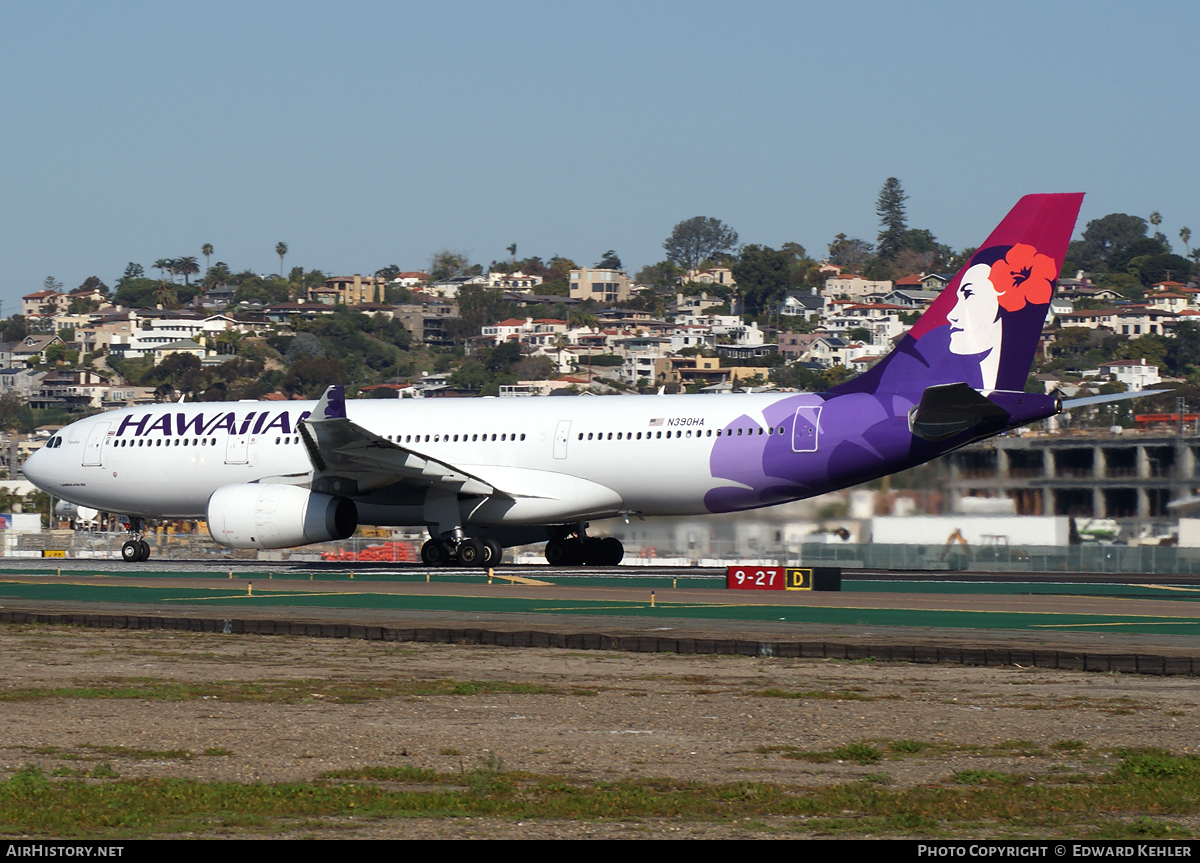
(544, 331)
(349, 290)
(801, 304)
(426, 321)
(76, 388)
(855, 287)
(517, 281)
(711, 276)
(181, 346)
(1135, 374)
(42, 303)
(32, 349)
(603, 286)
(410, 279)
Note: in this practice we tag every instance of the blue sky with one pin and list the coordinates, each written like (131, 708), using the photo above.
(365, 134)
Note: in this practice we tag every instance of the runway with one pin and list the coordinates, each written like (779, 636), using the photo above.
(975, 611)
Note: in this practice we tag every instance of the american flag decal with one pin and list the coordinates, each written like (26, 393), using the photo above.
(656, 422)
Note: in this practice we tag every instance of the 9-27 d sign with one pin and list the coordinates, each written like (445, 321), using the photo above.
(783, 578)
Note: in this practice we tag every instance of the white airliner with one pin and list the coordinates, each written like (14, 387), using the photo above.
(483, 474)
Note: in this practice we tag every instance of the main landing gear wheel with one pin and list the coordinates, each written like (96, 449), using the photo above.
(435, 553)
(472, 552)
(593, 551)
(494, 552)
(613, 551)
(135, 551)
(563, 552)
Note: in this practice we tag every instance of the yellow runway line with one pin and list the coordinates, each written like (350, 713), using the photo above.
(1180, 622)
(259, 596)
(1169, 587)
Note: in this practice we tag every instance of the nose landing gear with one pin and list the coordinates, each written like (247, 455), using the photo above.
(136, 550)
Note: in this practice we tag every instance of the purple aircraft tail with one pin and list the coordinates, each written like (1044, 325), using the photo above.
(984, 327)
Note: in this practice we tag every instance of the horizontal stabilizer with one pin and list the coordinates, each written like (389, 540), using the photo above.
(1068, 404)
(950, 409)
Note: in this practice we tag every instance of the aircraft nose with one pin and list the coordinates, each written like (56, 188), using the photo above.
(36, 467)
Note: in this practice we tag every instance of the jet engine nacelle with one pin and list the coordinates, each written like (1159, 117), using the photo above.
(254, 515)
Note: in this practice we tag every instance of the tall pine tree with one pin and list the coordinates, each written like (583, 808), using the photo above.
(890, 208)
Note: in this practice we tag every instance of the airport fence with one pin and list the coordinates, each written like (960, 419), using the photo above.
(96, 545)
(405, 548)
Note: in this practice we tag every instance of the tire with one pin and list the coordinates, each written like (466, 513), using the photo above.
(495, 552)
(435, 553)
(471, 552)
(131, 551)
(144, 548)
(613, 551)
(556, 552)
(593, 551)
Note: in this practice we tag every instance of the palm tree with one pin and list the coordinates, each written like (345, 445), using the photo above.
(207, 251)
(217, 275)
(1156, 220)
(281, 249)
(164, 294)
(162, 264)
(1185, 234)
(186, 266)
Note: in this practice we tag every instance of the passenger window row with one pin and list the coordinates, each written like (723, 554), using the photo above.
(177, 442)
(445, 438)
(729, 432)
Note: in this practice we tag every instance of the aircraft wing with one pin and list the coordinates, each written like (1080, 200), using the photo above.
(349, 459)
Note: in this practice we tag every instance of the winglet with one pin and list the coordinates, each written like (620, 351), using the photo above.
(332, 405)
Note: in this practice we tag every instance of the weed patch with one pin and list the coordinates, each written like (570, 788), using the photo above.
(345, 691)
(1135, 799)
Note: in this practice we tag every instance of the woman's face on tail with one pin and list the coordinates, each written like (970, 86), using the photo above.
(974, 327)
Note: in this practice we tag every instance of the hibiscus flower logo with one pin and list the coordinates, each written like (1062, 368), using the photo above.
(1023, 276)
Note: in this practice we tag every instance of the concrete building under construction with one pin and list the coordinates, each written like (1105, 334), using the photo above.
(1130, 476)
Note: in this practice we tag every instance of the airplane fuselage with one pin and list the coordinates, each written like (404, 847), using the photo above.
(658, 455)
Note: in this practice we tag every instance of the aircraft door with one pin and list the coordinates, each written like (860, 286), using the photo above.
(236, 450)
(806, 429)
(93, 450)
(561, 435)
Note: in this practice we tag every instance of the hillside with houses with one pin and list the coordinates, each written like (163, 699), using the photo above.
(715, 316)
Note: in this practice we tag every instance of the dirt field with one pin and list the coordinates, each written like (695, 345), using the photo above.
(279, 709)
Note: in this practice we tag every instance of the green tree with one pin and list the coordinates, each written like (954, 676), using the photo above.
(697, 239)
(890, 209)
(311, 377)
(207, 251)
(446, 264)
(762, 276)
(664, 274)
(281, 249)
(849, 253)
(1104, 236)
(609, 261)
(14, 329)
(1183, 353)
